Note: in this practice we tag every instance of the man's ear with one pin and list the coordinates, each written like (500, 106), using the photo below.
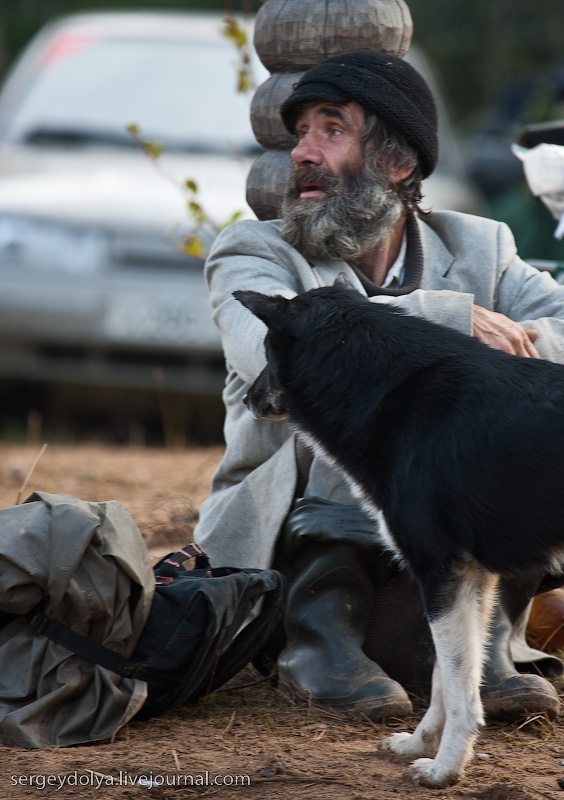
(266, 307)
(398, 174)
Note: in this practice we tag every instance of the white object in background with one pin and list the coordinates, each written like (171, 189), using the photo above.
(544, 171)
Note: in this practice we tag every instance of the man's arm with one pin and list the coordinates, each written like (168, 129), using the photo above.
(534, 300)
(244, 257)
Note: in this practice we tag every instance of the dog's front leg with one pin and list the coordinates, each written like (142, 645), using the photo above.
(424, 741)
(460, 637)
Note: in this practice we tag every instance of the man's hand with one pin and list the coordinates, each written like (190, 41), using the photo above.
(502, 333)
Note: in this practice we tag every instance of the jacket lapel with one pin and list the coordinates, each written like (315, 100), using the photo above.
(437, 259)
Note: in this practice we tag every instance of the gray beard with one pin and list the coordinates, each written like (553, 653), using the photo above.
(357, 212)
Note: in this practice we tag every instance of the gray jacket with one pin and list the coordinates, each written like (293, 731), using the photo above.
(468, 260)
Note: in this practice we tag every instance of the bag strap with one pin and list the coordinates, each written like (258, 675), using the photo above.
(42, 625)
(184, 554)
(166, 570)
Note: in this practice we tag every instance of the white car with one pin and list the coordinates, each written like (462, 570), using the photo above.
(93, 286)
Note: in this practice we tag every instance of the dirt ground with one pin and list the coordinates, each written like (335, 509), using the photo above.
(247, 741)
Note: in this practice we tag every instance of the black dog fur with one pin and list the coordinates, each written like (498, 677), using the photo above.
(459, 445)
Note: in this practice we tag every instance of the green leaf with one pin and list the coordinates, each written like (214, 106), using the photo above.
(245, 82)
(191, 186)
(197, 212)
(193, 246)
(234, 32)
(133, 129)
(153, 149)
(233, 218)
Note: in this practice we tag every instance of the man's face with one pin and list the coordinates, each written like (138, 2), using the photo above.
(329, 138)
(340, 203)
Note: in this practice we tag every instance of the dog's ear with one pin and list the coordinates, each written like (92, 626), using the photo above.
(343, 282)
(267, 308)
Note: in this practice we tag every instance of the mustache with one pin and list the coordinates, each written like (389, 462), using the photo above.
(310, 175)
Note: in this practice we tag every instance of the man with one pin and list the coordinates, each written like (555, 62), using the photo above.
(366, 136)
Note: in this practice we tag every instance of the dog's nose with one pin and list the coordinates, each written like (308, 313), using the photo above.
(246, 399)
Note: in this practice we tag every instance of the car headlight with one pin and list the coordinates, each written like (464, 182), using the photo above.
(46, 245)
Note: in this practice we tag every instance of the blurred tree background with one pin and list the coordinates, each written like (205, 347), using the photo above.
(477, 46)
(480, 46)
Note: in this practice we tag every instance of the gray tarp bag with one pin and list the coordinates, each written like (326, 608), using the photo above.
(86, 565)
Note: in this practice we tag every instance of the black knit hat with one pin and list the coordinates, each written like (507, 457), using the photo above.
(384, 85)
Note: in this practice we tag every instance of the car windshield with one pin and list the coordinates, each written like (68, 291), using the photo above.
(179, 92)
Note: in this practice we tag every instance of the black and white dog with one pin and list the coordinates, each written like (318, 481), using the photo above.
(456, 449)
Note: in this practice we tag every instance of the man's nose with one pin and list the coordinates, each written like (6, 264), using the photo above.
(307, 151)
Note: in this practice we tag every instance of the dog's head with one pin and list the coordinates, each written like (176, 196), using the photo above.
(292, 325)
(265, 399)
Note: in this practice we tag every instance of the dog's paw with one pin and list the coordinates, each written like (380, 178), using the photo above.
(403, 743)
(426, 772)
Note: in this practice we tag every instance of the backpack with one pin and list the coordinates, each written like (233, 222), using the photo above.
(195, 638)
(91, 636)
(208, 611)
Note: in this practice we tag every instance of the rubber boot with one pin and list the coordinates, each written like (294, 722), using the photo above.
(507, 693)
(329, 607)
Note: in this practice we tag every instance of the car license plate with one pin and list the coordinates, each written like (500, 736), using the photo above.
(159, 320)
